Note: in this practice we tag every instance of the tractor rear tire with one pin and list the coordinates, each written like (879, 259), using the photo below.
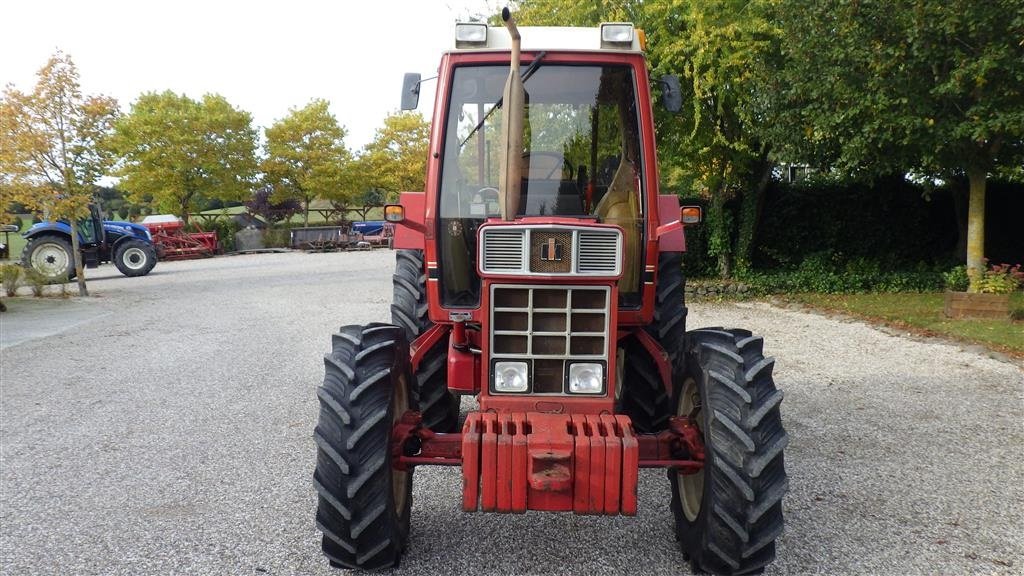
(134, 258)
(409, 303)
(51, 256)
(364, 503)
(729, 514)
(440, 408)
(669, 325)
(642, 395)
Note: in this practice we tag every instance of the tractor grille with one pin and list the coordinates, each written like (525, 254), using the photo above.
(503, 250)
(551, 250)
(599, 252)
(548, 326)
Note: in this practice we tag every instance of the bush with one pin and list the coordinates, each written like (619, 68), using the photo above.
(36, 281)
(829, 274)
(957, 279)
(277, 238)
(225, 229)
(999, 279)
(10, 276)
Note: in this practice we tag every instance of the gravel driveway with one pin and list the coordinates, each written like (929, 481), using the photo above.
(169, 431)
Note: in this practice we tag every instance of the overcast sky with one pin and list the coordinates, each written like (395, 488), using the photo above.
(263, 57)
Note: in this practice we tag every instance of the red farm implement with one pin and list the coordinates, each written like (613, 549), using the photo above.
(174, 243)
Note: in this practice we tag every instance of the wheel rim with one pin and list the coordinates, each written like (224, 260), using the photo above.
(691, 486)
(51, 260)
(134, 258)
(399, 478)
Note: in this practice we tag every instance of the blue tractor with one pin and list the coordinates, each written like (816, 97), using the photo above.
(129, 246)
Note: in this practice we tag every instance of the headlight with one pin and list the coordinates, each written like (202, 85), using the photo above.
(510, 377)
(470, 34)
(616, 33)
(586, 378)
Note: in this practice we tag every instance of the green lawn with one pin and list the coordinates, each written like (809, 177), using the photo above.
(923, 313)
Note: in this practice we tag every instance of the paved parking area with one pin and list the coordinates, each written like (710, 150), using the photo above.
(166, 428)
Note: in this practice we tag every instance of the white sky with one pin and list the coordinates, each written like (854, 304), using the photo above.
(264, 57)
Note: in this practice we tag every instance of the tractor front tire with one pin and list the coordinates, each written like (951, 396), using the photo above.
(134, 257)
(364, 502)
(729, 514)
(440, 408)
(51, 256)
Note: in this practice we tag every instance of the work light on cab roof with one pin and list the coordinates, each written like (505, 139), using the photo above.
(540, 272)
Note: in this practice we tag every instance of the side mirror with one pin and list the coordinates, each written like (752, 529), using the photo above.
(394, 213)
(410, 91)
(690, 215)
(671, 95)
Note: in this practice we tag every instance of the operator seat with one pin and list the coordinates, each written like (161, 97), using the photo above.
(620, 206)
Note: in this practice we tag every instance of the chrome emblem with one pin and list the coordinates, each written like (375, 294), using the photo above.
(551, 252)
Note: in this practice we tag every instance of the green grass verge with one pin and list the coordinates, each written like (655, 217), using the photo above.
(922, 312)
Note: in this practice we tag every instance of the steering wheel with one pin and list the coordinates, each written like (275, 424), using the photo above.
(489, 194)
(560, 161)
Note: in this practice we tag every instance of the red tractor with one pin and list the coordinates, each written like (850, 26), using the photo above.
(541, 273)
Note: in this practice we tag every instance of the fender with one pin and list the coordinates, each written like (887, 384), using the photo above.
(39, 228)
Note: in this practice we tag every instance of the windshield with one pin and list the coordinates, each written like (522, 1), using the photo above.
(580, 158)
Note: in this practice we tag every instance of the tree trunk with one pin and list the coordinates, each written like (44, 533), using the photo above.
(960, 193)
(976, 225)
(751, 209)
(76, 252)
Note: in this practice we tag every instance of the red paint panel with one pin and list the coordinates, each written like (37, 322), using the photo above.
(581, 467)
(489, 462)
(471, 462)
(505, 478)
(406, 236)
(630, 465)
(597, 466)
(520, 463)
(668, 215)
(462, 374)
(613, 465)
(550, 462)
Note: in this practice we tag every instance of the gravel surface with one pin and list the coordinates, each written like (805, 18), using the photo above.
(169, 431)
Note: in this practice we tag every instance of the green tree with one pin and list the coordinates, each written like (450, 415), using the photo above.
(179, 151)
(396, 159)
(50, 152)
(306, 156)
(725, 52)
(935, 87)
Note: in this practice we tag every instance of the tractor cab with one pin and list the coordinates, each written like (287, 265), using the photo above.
(92, 237)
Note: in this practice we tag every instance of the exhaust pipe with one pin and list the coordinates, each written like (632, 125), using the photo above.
(511, 172)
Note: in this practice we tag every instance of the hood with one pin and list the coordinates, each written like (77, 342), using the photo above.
(125, 228)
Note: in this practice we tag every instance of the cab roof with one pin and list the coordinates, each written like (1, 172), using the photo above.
(535, 38)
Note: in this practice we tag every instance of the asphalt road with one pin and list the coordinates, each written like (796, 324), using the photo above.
(166, 428)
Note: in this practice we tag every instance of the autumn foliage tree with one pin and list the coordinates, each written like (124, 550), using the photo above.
(306, 157)
(178, 151)
(50, 152)
(396, 159)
